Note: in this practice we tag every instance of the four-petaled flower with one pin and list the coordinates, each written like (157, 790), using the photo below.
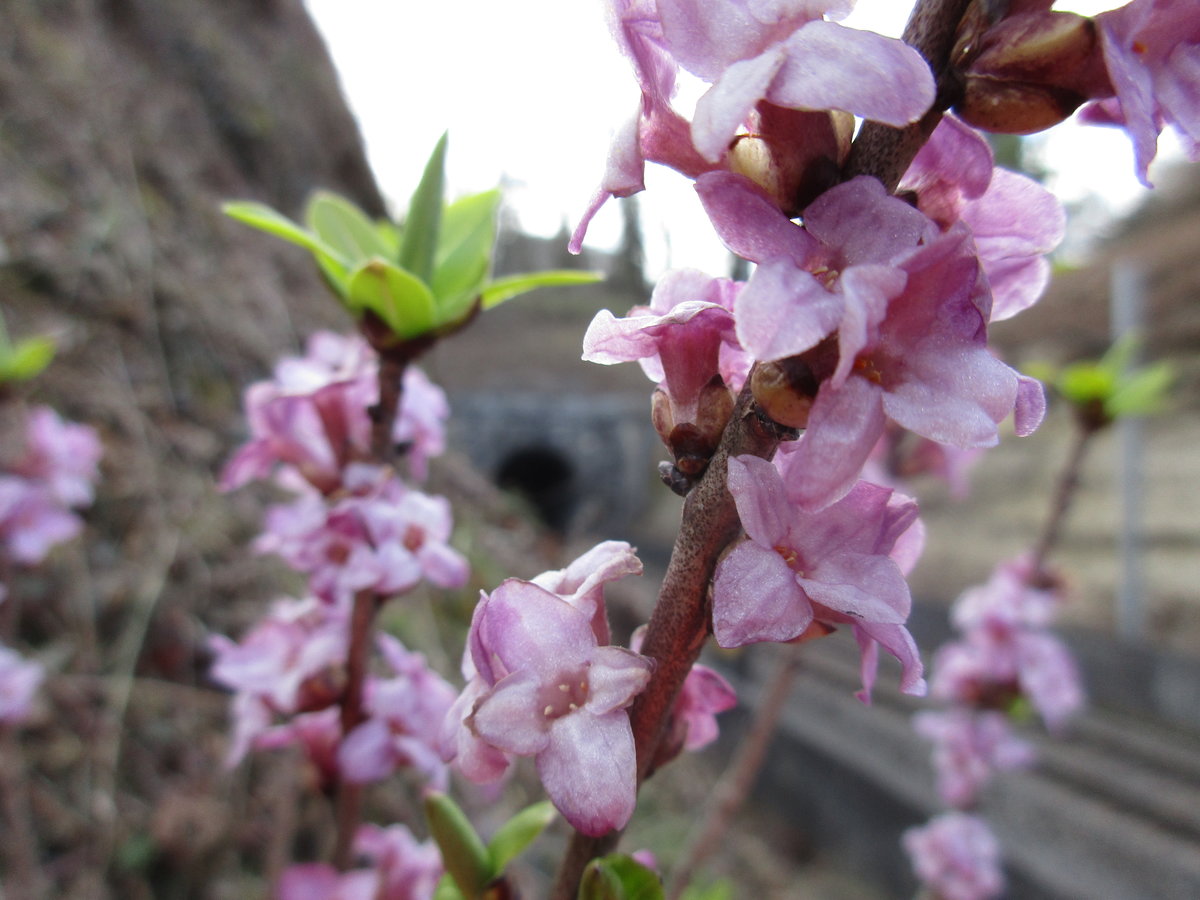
(546, 688)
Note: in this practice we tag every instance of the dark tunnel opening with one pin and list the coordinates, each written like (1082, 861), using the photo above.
(545, 479)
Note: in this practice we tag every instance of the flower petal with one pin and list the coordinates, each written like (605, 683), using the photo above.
(589, 770)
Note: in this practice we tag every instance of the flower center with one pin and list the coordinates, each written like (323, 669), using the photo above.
(865, 366)
(791, 557)
(414, 538)
(564, 695)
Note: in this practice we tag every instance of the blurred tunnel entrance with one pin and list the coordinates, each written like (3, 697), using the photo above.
(546, 479)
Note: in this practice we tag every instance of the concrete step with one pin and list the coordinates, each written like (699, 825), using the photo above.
(1111, 812)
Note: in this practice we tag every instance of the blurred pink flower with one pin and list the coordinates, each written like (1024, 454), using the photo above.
(957, 857)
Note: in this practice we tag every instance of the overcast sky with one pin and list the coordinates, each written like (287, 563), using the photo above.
(531, 91)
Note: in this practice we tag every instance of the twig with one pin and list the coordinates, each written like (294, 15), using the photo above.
(24, 877)
(679, 624)
(1064, 493)
(884, 151)
(738, 778)
(349, 796)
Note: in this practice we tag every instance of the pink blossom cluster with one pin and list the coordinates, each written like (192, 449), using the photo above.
(312, 418)
(543, 680)
(53, 475)
(1006, 650)
(957, 856)
(1005, 656)
(399, 868)
(355, 529)
(874, 308)
(287, 675)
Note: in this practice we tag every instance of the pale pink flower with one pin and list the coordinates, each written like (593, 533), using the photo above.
(957, 857)
(544, 687)
(969, 747)
(19, 680)
(833, 566)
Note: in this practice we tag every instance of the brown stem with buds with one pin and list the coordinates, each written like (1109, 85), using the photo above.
(679, 624)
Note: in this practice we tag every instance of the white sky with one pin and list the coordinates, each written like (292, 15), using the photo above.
(531, 91)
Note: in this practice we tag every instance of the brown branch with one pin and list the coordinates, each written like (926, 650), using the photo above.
(348, 797)
(1064, 493)
(884, 151)
(735, 784)
(679, 624)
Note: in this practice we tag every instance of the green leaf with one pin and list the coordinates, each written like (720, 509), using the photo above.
(262, 217)
(336, 273)
(345, 228)
(718, 890)
(447, 890)
(514, 285)
(1142, 392)
(402, 301)
(463, 853)
(464, 253)
(1086, 382)
(27, 359)
(1119, 358)
(418, 245)
(518, 832)
(619, 877)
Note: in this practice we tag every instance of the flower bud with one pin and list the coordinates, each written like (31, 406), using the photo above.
(785, 390)
(794, 155)
(1028, 71)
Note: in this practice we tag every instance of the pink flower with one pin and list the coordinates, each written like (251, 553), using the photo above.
(1152, 51)
(19, 680)
(1014, 220)
(968, 747)
(378, 535)
(290, 662)
(756, 56)
(786, 53)
(32, 520)
(313, 417)
(401, 869)
(832, 566)
(957, 857)
(63, 456)
(547, 689)
(704, 694)
(405, 715)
